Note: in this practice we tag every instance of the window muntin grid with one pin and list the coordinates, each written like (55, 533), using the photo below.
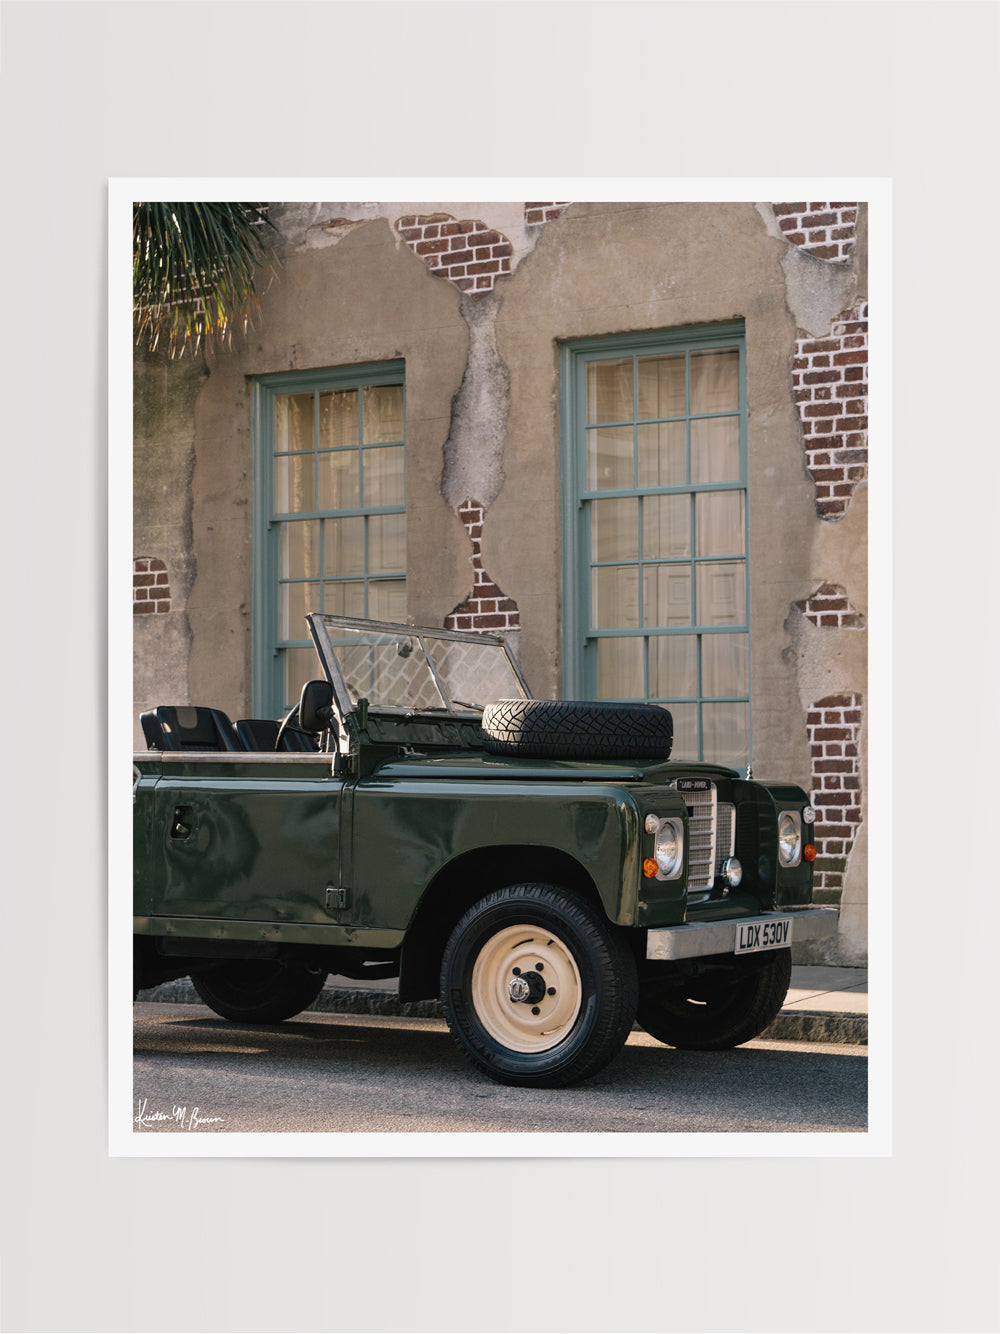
(660, 511)
(331, 471)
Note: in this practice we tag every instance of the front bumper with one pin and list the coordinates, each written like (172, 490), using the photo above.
(696, 938)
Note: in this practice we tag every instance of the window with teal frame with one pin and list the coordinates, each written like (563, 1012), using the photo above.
(655, 570)
(330, 514)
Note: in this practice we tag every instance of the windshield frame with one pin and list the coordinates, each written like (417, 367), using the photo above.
(319, 622)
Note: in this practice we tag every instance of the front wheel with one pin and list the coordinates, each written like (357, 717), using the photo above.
(723, 1009)
(256, 991)
(538, 988)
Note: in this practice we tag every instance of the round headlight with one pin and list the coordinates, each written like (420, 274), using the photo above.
(668, 848)
(789, 838)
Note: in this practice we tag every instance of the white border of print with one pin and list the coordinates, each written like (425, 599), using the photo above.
(124, 1139)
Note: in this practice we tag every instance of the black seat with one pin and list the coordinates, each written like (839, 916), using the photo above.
(262, 733)
(187, 727)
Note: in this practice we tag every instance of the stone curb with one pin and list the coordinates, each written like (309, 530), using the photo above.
(790, 1025)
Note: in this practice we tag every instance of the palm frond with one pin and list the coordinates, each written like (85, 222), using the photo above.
(195, 269)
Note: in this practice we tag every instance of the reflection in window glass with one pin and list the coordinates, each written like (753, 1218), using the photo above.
(662, 390)
(609, 458)
(725, 665)
(338, 480)
(725, 732)
(614, 529)
(616, 597)
(609, 391)
(719, 524)
(338, 420)
(715, 450)
(620, 670)
(715, 381)
(662, 453)
(673, 666)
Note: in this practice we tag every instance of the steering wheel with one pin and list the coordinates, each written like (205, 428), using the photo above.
(287, 725)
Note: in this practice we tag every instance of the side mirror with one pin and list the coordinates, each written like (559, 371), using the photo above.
(316, 706)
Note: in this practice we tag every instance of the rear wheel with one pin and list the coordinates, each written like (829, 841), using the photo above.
(537, 987)
(722, 1009)
(255, 991)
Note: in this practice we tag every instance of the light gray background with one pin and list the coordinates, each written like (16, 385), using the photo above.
(91, 91)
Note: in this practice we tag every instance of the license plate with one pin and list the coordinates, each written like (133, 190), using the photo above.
(774, 934)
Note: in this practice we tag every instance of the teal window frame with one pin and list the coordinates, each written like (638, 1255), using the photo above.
(267, 684)
(579, 638)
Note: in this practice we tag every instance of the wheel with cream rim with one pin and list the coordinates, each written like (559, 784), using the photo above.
(538, 987)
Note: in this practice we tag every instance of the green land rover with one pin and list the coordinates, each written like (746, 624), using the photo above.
(542, 866)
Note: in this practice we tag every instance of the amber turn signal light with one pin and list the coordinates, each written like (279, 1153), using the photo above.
(809, 853)
(649, 868)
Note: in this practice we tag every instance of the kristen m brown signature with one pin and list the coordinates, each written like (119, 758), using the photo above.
(186, 1119)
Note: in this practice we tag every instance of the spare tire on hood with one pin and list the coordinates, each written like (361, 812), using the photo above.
(577, 730)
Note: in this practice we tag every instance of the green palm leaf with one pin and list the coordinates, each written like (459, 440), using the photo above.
(194, 271)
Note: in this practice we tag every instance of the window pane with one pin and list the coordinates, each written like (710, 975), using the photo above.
(609, 391)
(386, 544)
(726, 733)
(620, 668)
(663, 454)
(344, 546)
(616, 597)
(383, 476)
(719, 524)
(614, 529)
(293, 484)
(299, 666)
(382, 408)
(724, 665)
(338, 419)
(685, 718)
(387, 600)
(666, 594)
(296, 601)
(299, 554)
(344, 599)
(338, 480)
(609, 459)
(293, 422)
(661, 386)
(673, 666)
(722, 593)
(666, 526)
(715, 381)
(715, 450)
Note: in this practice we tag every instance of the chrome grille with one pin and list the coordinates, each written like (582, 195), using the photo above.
(725, 834)
(700, 799)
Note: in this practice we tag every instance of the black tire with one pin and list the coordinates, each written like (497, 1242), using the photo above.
(581, 1003)
(256, 991)
(577, 730)
(720, 1010)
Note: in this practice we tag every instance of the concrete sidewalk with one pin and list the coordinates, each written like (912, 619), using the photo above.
(824, 1004)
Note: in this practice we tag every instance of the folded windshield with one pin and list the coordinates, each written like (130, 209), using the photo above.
(411, 668)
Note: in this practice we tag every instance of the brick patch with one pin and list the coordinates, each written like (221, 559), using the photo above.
(830, 386)
(467, 253)
(834, 723)
(828, 231)
(486, 608)
(150, 586)
(829, 609)
(535, 213)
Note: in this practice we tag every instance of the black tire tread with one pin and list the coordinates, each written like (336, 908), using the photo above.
(288, 991)
(577, 729)
(750, 1007)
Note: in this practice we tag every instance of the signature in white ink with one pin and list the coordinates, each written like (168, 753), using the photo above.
(187, 1120)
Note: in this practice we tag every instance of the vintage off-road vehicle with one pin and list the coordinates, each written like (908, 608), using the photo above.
(542, 866)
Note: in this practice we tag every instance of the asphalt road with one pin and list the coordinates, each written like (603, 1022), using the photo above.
(359, 1073)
